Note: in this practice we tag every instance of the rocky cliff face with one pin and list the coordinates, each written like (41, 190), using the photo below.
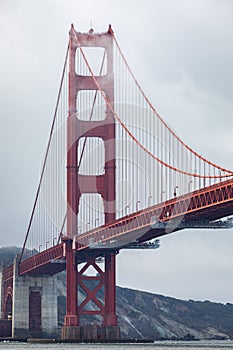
(143, 315)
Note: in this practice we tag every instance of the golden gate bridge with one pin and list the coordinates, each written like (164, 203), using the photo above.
(115, 176)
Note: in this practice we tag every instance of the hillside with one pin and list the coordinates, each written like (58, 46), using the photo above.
(7, 254)
(146, 315)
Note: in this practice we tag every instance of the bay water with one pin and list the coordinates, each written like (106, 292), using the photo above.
(157, 345)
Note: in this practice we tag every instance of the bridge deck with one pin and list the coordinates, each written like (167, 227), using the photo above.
(209, 203)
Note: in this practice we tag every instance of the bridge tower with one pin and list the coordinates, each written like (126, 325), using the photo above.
(78, 184)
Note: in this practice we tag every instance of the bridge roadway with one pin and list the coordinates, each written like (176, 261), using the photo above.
(209, 203)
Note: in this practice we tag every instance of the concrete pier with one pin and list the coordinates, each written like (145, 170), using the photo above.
(91, 333)
(34, 306)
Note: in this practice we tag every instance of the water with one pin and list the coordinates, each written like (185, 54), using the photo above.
(165, 345)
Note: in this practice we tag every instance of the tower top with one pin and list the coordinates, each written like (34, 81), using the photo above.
(91, 30)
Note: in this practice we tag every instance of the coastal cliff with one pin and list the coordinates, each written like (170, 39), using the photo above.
(143, 315)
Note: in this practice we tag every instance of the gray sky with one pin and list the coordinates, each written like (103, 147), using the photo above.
(181, 52)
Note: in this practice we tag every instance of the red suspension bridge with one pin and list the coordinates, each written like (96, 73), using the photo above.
(115, 175)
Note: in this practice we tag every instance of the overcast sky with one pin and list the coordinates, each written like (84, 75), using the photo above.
(181, 52)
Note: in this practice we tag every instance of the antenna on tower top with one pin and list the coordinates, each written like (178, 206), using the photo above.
(91, 30)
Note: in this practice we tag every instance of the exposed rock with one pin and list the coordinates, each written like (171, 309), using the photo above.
(143, 315)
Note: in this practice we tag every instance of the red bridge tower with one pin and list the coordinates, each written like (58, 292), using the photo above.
(78, 184)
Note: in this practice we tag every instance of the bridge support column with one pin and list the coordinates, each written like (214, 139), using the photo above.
(34, 306)
(71, 329)
(110, 318)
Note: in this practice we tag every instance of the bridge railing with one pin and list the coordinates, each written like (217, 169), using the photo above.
(179, 207)
(208, 203)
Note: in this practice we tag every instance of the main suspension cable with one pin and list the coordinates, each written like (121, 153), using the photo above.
(46, 154)
(139, 143)
(165, 124)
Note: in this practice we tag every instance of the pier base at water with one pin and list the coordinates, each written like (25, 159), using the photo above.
(34, 306)
(91, 333)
